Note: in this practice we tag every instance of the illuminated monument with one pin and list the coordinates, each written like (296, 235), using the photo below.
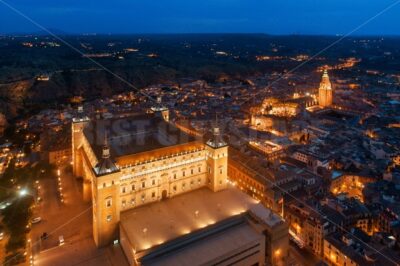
(325, 91)
(159, 191)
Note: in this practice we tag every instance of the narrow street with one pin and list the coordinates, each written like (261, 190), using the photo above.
(302, 257)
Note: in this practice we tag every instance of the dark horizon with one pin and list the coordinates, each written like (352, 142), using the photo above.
(63, 33)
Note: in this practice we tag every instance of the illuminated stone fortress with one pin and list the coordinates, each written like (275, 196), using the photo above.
(132, 161)
(166, 198)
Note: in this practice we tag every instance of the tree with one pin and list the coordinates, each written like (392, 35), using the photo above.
(16, 218)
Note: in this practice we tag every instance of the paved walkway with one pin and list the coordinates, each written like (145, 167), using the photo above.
(73, 220)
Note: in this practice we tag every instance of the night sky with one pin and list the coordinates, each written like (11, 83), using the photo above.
(202, 16)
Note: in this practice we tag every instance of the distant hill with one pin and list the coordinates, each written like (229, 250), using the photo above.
(147, 59)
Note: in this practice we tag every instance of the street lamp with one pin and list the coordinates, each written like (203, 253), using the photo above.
(23, 192)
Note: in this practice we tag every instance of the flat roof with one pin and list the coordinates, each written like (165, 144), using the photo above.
(134, 134)
(160, 222)
(209, 248)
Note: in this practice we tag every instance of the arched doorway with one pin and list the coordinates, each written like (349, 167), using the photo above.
(164, 194)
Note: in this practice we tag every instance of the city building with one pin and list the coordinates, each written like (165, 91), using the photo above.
(203, 227)
(308, 226)
(165, 195)
(132, 161)
(312, 158)
(243, 173)
(271, 150)
(350, 184)
(358, 249)
(325, 92)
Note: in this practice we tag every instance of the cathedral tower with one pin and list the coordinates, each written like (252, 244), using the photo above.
(325, 91)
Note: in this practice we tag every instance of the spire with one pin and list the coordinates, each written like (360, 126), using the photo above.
(217, 140)
(106, 148)
(325, 90)
(325, 75)
(106, 165)
(158, 106)
(160, 110)
(325, 82)
(81, 116)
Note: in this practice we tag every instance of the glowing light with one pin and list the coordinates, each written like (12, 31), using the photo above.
(202, 225)
(23, 192)
(185, 231)
(146, 246)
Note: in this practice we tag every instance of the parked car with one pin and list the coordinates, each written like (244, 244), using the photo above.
(61, 240)
(36, 220)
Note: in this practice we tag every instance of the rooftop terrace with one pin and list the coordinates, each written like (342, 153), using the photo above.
(157, 223)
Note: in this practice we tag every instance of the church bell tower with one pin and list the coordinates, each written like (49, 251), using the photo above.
(325, 91)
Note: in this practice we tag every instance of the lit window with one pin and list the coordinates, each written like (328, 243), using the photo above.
(133, 201)
(123, 203)
(143, 197)
(109, 218)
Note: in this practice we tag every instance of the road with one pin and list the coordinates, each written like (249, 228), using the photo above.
(73, 220)
(3, 243)
(302, 257)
